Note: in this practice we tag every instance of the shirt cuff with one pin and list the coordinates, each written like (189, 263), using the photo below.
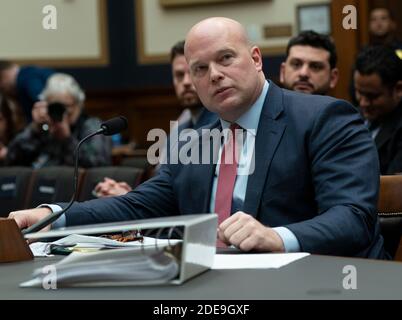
(60, 222)
(289, 239)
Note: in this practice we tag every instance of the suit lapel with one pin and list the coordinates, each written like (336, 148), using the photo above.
(270, 131)
(388, 126)
(383, 135)
(206, 117)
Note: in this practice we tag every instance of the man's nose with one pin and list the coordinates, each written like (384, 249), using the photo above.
(215, 73)
(187, 80)
(304, 71)
(363, 101)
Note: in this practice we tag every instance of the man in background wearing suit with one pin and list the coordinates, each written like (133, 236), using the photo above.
(195, 115)
(185, 91)
(383, 28)
(378, 87)
(310, 64)
(314, 186)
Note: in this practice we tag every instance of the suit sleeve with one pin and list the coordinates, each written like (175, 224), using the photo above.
(154, 198)
(345, 174)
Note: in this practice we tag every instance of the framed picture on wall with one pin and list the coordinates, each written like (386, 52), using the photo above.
(316, 17)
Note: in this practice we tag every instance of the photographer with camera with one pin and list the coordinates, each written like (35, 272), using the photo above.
(58, 123)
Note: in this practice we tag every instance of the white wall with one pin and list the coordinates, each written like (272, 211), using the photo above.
(23, 37)
(163, 27)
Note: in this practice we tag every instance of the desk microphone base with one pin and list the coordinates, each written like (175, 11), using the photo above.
(13, 246)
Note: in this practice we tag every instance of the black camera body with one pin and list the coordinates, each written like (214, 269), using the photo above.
(56, 111)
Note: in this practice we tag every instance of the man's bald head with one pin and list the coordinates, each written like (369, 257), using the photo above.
(214, 26)
(226, 70)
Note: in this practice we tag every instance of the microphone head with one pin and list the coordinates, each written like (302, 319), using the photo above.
(114, 125)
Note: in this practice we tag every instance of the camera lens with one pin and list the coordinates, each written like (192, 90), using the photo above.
(56, 111)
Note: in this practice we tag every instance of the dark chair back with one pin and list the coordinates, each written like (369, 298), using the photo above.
(390, 214)
(52, 184)
(14, 183)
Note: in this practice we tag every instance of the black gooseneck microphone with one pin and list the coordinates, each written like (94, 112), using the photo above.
(108, 128)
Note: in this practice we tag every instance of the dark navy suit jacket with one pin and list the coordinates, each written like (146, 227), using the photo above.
(206, 117)
(316, 173)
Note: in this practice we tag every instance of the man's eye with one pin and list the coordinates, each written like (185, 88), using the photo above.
(372, 97)
(179, 76)
(198, 70)
(316, 67)
(368, 96)
(226, 57)
(296, 64)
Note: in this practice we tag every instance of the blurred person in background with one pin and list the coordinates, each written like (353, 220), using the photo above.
(59, 123)
(382, 28)
(378, 90)
(23, 84)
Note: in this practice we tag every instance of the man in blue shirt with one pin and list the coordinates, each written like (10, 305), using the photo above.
(313, 183)
(23, 84)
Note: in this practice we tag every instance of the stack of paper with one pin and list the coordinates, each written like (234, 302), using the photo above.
(83, 243)
(129, 266)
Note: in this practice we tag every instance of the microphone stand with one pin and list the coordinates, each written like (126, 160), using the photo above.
(55, 215)
(13, 246)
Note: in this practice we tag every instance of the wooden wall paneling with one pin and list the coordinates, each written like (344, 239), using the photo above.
(145, 109)
(363, 22)
(347, 43)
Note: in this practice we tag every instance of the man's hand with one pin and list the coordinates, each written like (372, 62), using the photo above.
(39, 114)
(111, 188)
(3, 151)
(26, 218)
(246, 233)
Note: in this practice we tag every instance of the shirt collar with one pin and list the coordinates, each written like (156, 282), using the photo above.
(251, 118)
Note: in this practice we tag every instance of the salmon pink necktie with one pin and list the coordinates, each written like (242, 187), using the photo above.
(227, 177)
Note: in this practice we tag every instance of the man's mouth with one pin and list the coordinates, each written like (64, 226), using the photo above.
(221, 90)
(304, 85)
(188, 94)
(367, 111)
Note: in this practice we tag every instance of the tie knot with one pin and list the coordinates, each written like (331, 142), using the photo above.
(234, 126)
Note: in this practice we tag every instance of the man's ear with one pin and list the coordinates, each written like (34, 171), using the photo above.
(334, 77)
(398, 91)
(393, 26)
(257, 57)
(282, 73)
